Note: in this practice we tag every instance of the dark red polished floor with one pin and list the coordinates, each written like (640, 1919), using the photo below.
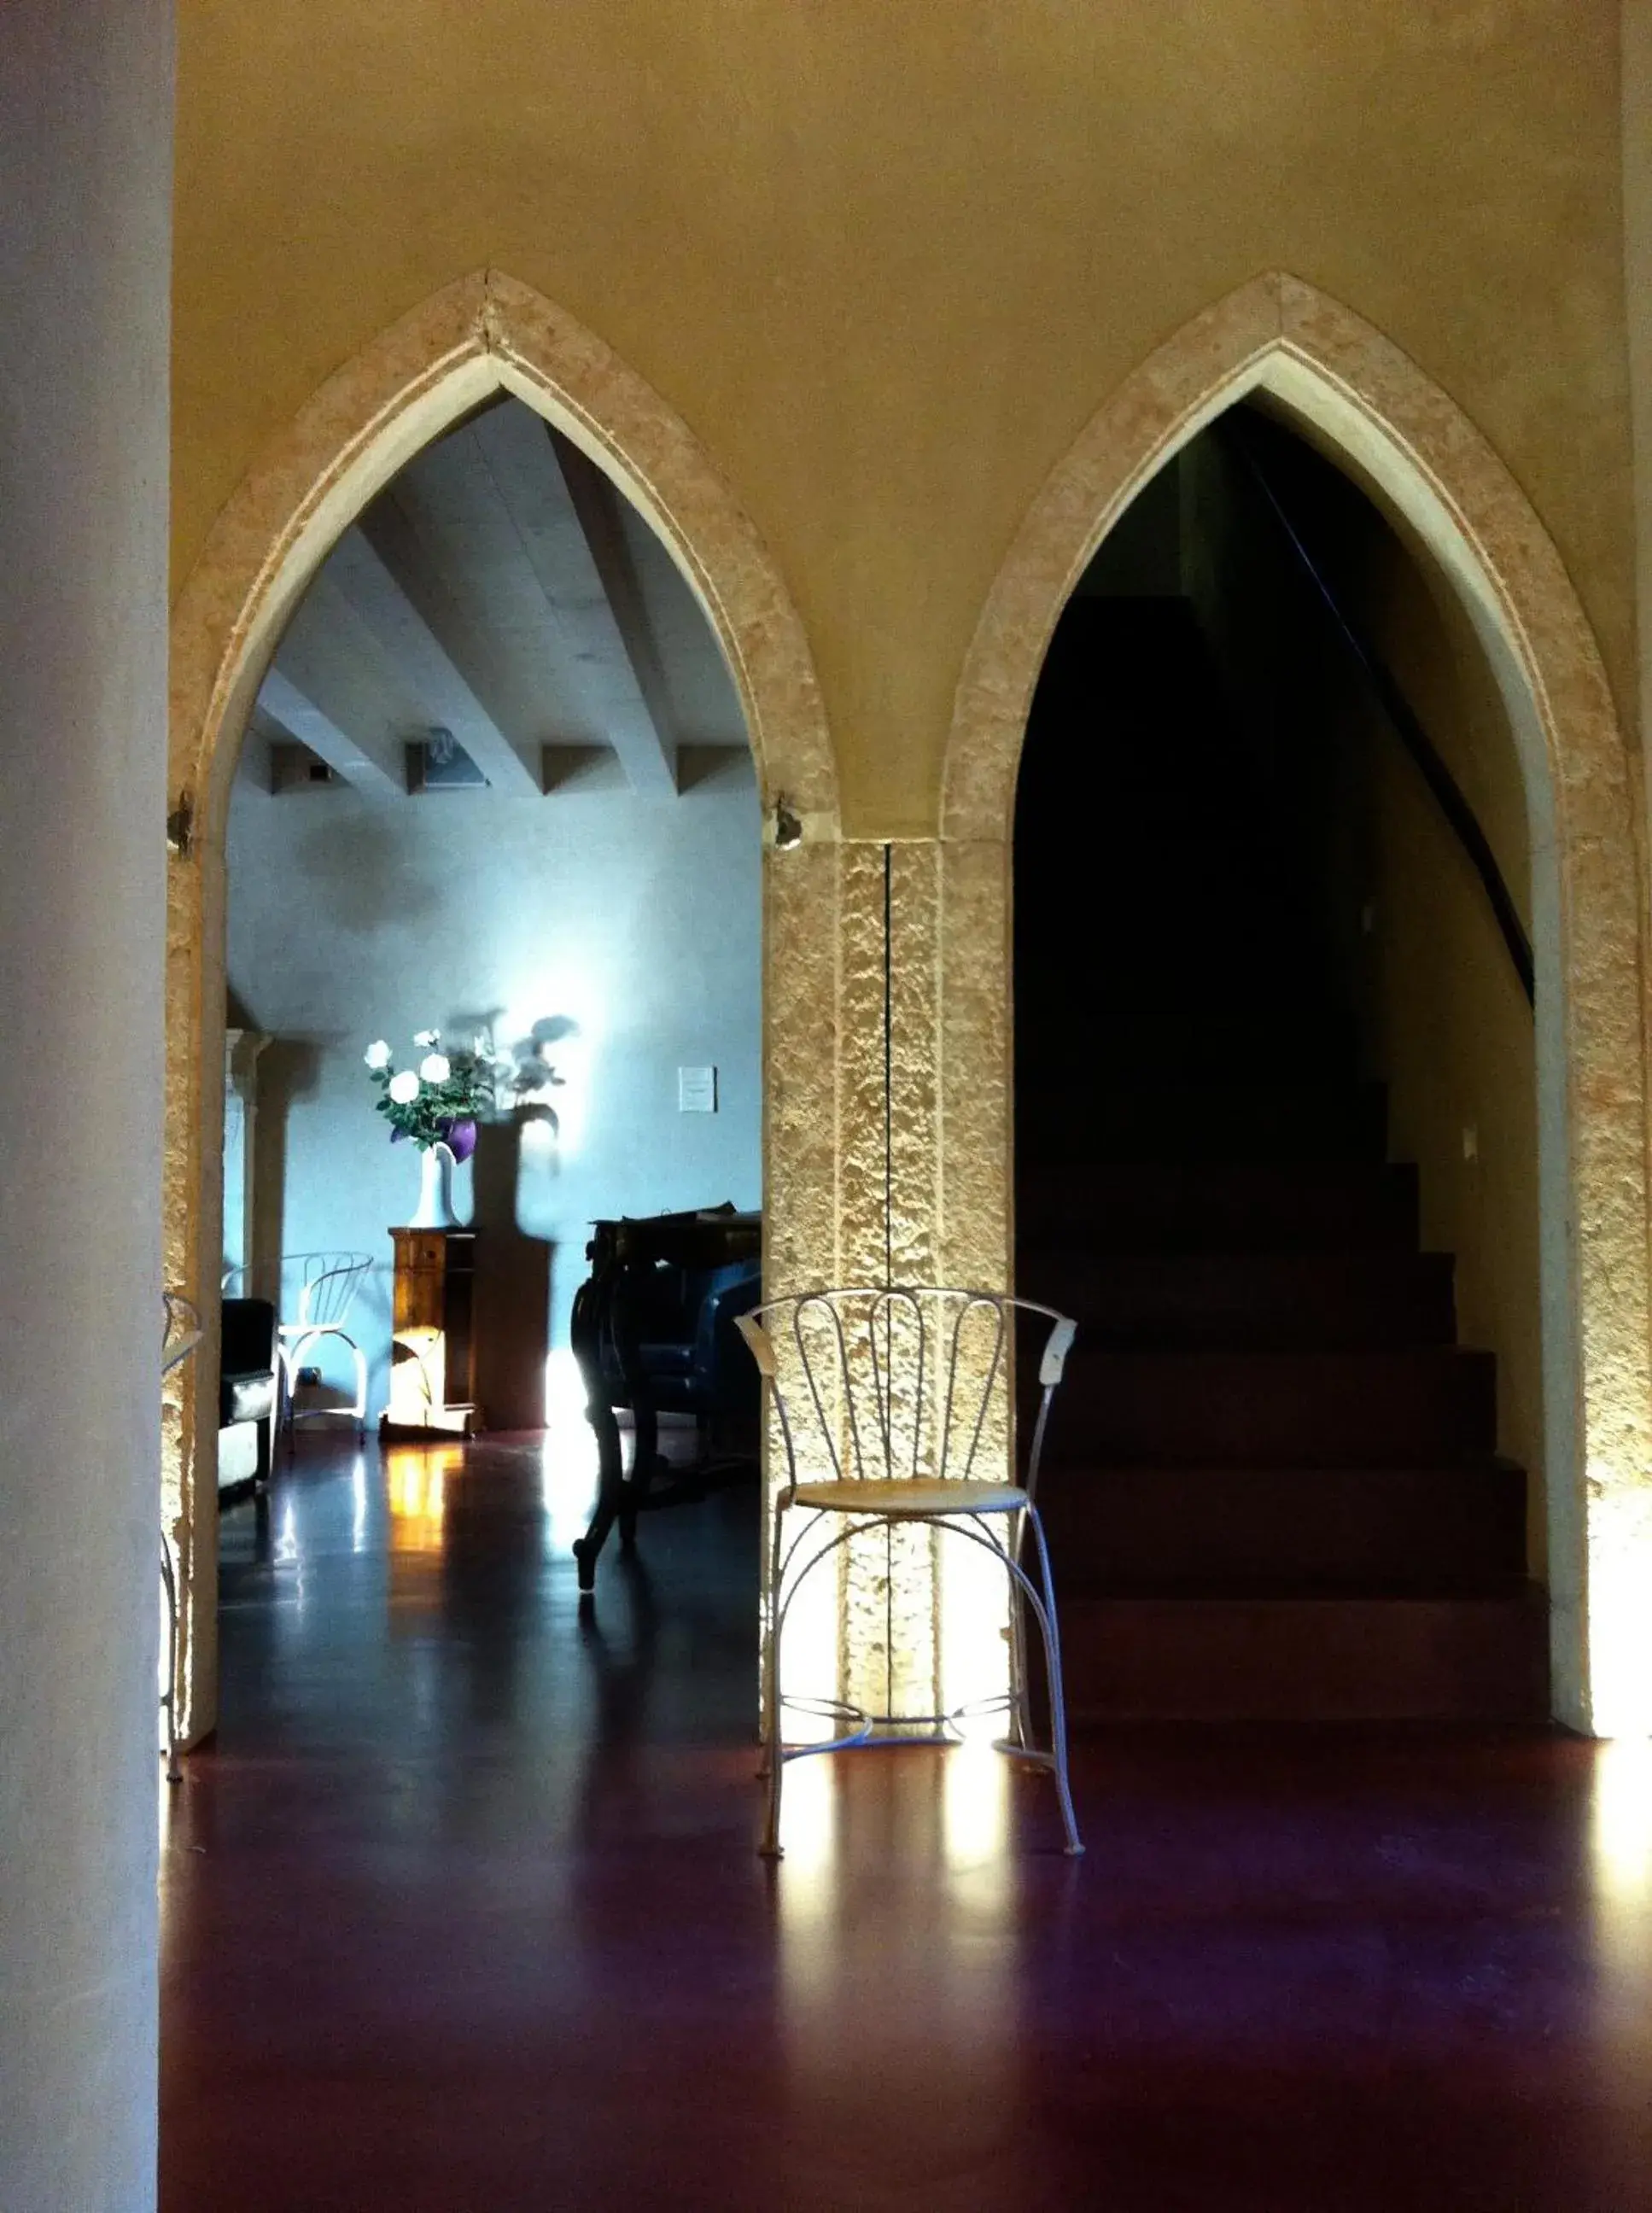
(462, 1915)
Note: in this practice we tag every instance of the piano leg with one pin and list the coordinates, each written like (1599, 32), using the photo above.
(591, 1305)
(633, 1495)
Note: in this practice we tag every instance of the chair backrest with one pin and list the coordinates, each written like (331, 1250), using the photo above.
(871, 1384)
(327, 1284)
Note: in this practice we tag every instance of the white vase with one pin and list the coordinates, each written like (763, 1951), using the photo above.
(435, 1210)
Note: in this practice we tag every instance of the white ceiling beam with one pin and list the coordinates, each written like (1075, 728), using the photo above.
(385, 573)
(303, 719)
(567, 516)
(596, 503)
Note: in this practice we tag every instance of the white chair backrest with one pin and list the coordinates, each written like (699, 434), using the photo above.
(873, 1384)
(329, 1282)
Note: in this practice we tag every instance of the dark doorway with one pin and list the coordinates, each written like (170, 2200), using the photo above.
(1275, 1120)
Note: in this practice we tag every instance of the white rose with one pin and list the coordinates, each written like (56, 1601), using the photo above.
(427, 1037)
(377, 1054)
(435, 1069)
(404, 1088)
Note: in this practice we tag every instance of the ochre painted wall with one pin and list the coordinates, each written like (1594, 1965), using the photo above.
(1448, 1026)
(887, 256)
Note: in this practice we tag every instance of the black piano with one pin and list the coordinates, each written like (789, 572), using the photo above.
(653, 1330)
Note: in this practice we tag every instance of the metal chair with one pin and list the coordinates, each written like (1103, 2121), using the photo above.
(894, 1408)
(180, 1332)
(329, 1282)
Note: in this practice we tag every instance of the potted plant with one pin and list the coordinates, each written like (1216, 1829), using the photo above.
(437, 1105)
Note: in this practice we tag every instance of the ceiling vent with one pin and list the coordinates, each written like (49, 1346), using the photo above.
(295, 768)
(440, 763)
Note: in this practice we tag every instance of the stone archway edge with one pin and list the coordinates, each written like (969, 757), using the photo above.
(1209, 363)
(936, 1197)
(484, 333)
(487, 331)
(1378, 405)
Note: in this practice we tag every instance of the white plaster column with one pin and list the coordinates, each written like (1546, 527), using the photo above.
(85, 177)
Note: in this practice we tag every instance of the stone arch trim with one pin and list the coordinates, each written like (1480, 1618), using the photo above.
(484, 333)
(1279, 334)
(487, 332)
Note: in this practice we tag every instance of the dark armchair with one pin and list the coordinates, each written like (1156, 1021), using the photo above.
(248, 1392)
(689, 1348)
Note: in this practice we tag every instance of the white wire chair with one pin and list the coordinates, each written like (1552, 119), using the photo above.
(894, 1408)
(327, 1284)
(180, 1332)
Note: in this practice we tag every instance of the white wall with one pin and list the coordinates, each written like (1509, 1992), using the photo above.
(85, 160)
(631, 926)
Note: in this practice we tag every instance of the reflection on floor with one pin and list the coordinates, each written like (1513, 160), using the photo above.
(462, 1915)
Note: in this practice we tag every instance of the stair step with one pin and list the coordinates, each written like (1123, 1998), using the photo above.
(1124, 1122)
(1219, 1207)
(1418, 1529)
(1480, 1659)
(1409, 1407)
(1270, 1484)
(1304, 1302)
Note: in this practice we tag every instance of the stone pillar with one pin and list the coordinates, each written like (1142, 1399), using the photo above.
(85, 174)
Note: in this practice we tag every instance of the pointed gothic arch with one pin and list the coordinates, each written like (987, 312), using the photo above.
(1373, 406)
(484, 334)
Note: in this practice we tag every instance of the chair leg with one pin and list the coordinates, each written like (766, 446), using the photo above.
(774, 1758)
(774, 1753)
(1019, 1731)
(359, 1407)
(1051, 1630)
(283, 1416)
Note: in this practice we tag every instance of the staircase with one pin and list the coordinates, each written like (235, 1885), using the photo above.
(1271, 1486)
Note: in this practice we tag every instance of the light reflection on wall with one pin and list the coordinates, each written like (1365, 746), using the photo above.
(811, 1658)
(974, 1646)
(1620, 1606)
(569, 1480)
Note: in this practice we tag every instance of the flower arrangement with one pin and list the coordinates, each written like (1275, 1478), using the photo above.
(439, 1102)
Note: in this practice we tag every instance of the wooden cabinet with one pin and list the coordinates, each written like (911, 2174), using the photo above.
(433, 1341)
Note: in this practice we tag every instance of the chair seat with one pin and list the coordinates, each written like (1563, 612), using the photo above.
(249, 1398)
(919, 1499)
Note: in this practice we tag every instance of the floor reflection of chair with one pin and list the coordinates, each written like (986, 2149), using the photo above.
(327, 1285)
(889, 1402)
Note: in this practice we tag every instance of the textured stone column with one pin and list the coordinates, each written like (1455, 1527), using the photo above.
(85, 156)
(923, 1197)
